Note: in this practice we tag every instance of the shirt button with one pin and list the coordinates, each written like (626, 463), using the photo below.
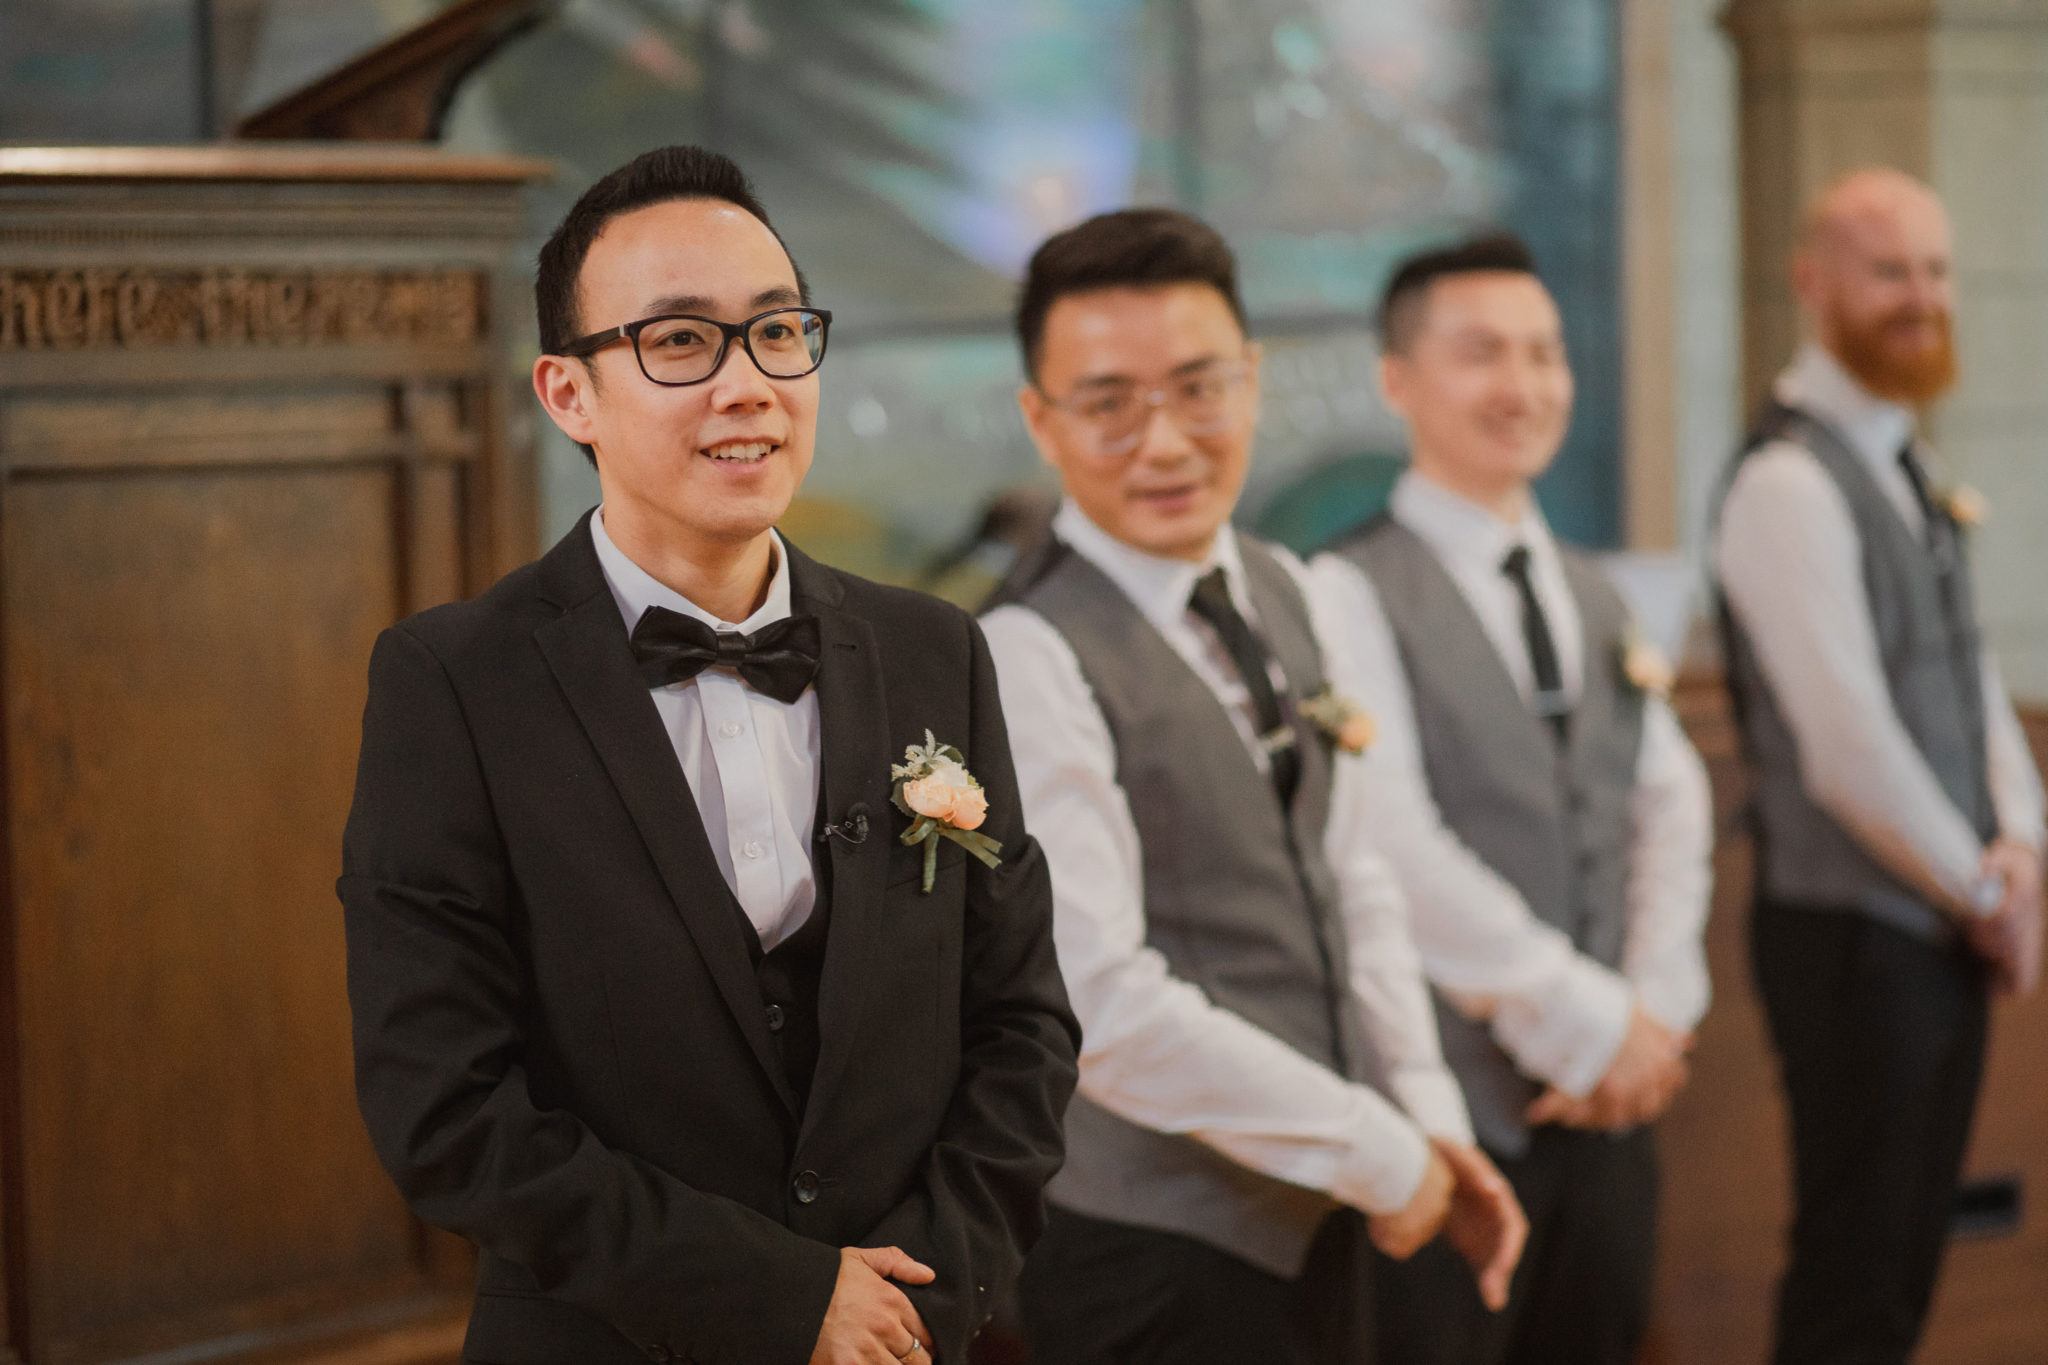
(752, 848)
(732, 729)
(806, 1187)
(775, 1018)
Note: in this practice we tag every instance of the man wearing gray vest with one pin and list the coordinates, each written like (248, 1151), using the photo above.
(1547, 818)
(1262, 1090)
(1898, 813)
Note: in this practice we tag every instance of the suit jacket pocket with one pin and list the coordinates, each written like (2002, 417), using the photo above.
(907, 864)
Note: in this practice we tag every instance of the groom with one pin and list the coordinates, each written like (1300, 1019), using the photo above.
(651, 1001)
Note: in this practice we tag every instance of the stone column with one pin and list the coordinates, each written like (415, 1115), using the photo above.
(1956, 92)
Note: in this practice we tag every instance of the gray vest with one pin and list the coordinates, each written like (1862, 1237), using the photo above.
(1238, 899)
(1550, 818)
(1920, 605)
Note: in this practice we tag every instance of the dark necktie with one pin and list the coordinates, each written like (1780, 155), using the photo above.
(779, 660)
(1211, 601)
(1549, 701)
(1941, 541)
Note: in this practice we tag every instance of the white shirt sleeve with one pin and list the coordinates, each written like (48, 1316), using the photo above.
(2015, 781)
(1386, 968)
(1790, 565)
(1558, 1013)
(1670, 874)
(1155, 1049)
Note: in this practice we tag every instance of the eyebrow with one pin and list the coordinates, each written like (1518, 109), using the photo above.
(780, 295)
(1185, 368)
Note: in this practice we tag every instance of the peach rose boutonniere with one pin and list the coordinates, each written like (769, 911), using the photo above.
(1342, 721)
(943, 801)
(1643, 664)
(1966, 506)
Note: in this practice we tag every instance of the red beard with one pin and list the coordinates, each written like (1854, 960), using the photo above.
(1909, 374)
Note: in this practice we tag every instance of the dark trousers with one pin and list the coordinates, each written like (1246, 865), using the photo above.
(1582, 1292)
(1880, 1036)
(1102, 1293)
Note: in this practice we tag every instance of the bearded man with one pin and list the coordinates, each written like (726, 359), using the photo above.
(1899, 815)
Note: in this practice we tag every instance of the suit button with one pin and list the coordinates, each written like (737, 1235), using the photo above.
(775, 1018)
(660, 1353)
(806, 1187)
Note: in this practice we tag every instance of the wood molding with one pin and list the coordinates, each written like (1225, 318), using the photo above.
(293, 162)
(95, 309)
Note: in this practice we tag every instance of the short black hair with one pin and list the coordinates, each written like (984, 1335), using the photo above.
(1401, 306)
(1128, 248)
(651, 178)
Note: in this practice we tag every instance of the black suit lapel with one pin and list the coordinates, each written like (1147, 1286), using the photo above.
(855, 759)
(586, 648)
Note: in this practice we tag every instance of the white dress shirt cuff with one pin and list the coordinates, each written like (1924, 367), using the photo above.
(1383, 1169)
(1432, 1098)
(1572, 1038)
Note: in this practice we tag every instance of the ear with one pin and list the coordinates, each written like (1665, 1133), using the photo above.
(1807, 285)
(1038, 417)
(567, 389)
(1395, 383)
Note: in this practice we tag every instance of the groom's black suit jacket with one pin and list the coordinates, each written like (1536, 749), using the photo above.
(562, 1049)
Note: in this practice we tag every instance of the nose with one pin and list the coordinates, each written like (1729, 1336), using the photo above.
(738, 383)
(1162, 441)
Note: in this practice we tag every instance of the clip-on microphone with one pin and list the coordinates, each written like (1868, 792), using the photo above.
(853, 829)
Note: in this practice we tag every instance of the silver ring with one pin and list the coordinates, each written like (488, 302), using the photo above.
(911, 1354)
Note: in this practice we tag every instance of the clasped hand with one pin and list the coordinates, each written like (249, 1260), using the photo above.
(870, 1321)
(1646, 1074)
(1469, 1201)
(2009, 938)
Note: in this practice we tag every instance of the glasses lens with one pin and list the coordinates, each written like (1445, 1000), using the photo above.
(1111, 417)
(788, 344)
(678, 350)
(1205, 403)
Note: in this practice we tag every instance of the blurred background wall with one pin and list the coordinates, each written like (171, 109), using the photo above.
(914, 151)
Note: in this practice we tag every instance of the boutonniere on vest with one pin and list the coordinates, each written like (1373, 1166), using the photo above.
(1643, 664)
(1342, 721)
(943, 801)
(1965, 505)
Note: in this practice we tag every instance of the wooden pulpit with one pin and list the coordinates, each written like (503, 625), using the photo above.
(253, 409)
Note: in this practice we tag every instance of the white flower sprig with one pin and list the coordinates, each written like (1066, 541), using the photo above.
(943, 801)
(1342, 721)
(1643, 664)
(1966, 506)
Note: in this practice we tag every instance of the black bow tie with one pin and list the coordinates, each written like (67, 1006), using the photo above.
(779, 660)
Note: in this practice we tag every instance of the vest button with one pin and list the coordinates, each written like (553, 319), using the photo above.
(806, 1187)
(775, 1018)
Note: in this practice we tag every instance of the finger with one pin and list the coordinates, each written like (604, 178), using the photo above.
(1549, 1107)
(1499, 1275)
(917, 1329)
(894, 1263)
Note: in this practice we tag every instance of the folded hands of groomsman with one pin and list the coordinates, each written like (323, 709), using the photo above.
(1642, 1080)
(2009, 938)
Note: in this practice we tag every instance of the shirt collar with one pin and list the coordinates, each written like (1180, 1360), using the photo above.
(1158, 586)
(1816, 382)
(635, 590)
(1461, 532)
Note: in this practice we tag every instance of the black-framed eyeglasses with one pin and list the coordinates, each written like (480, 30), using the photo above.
(680, 348)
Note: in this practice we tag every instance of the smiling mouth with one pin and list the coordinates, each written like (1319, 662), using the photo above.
(740, 452)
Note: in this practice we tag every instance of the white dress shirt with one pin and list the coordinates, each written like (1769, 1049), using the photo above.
(1156, 1050)
(751, 761)
(1790, 565)
(1559, 1014)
